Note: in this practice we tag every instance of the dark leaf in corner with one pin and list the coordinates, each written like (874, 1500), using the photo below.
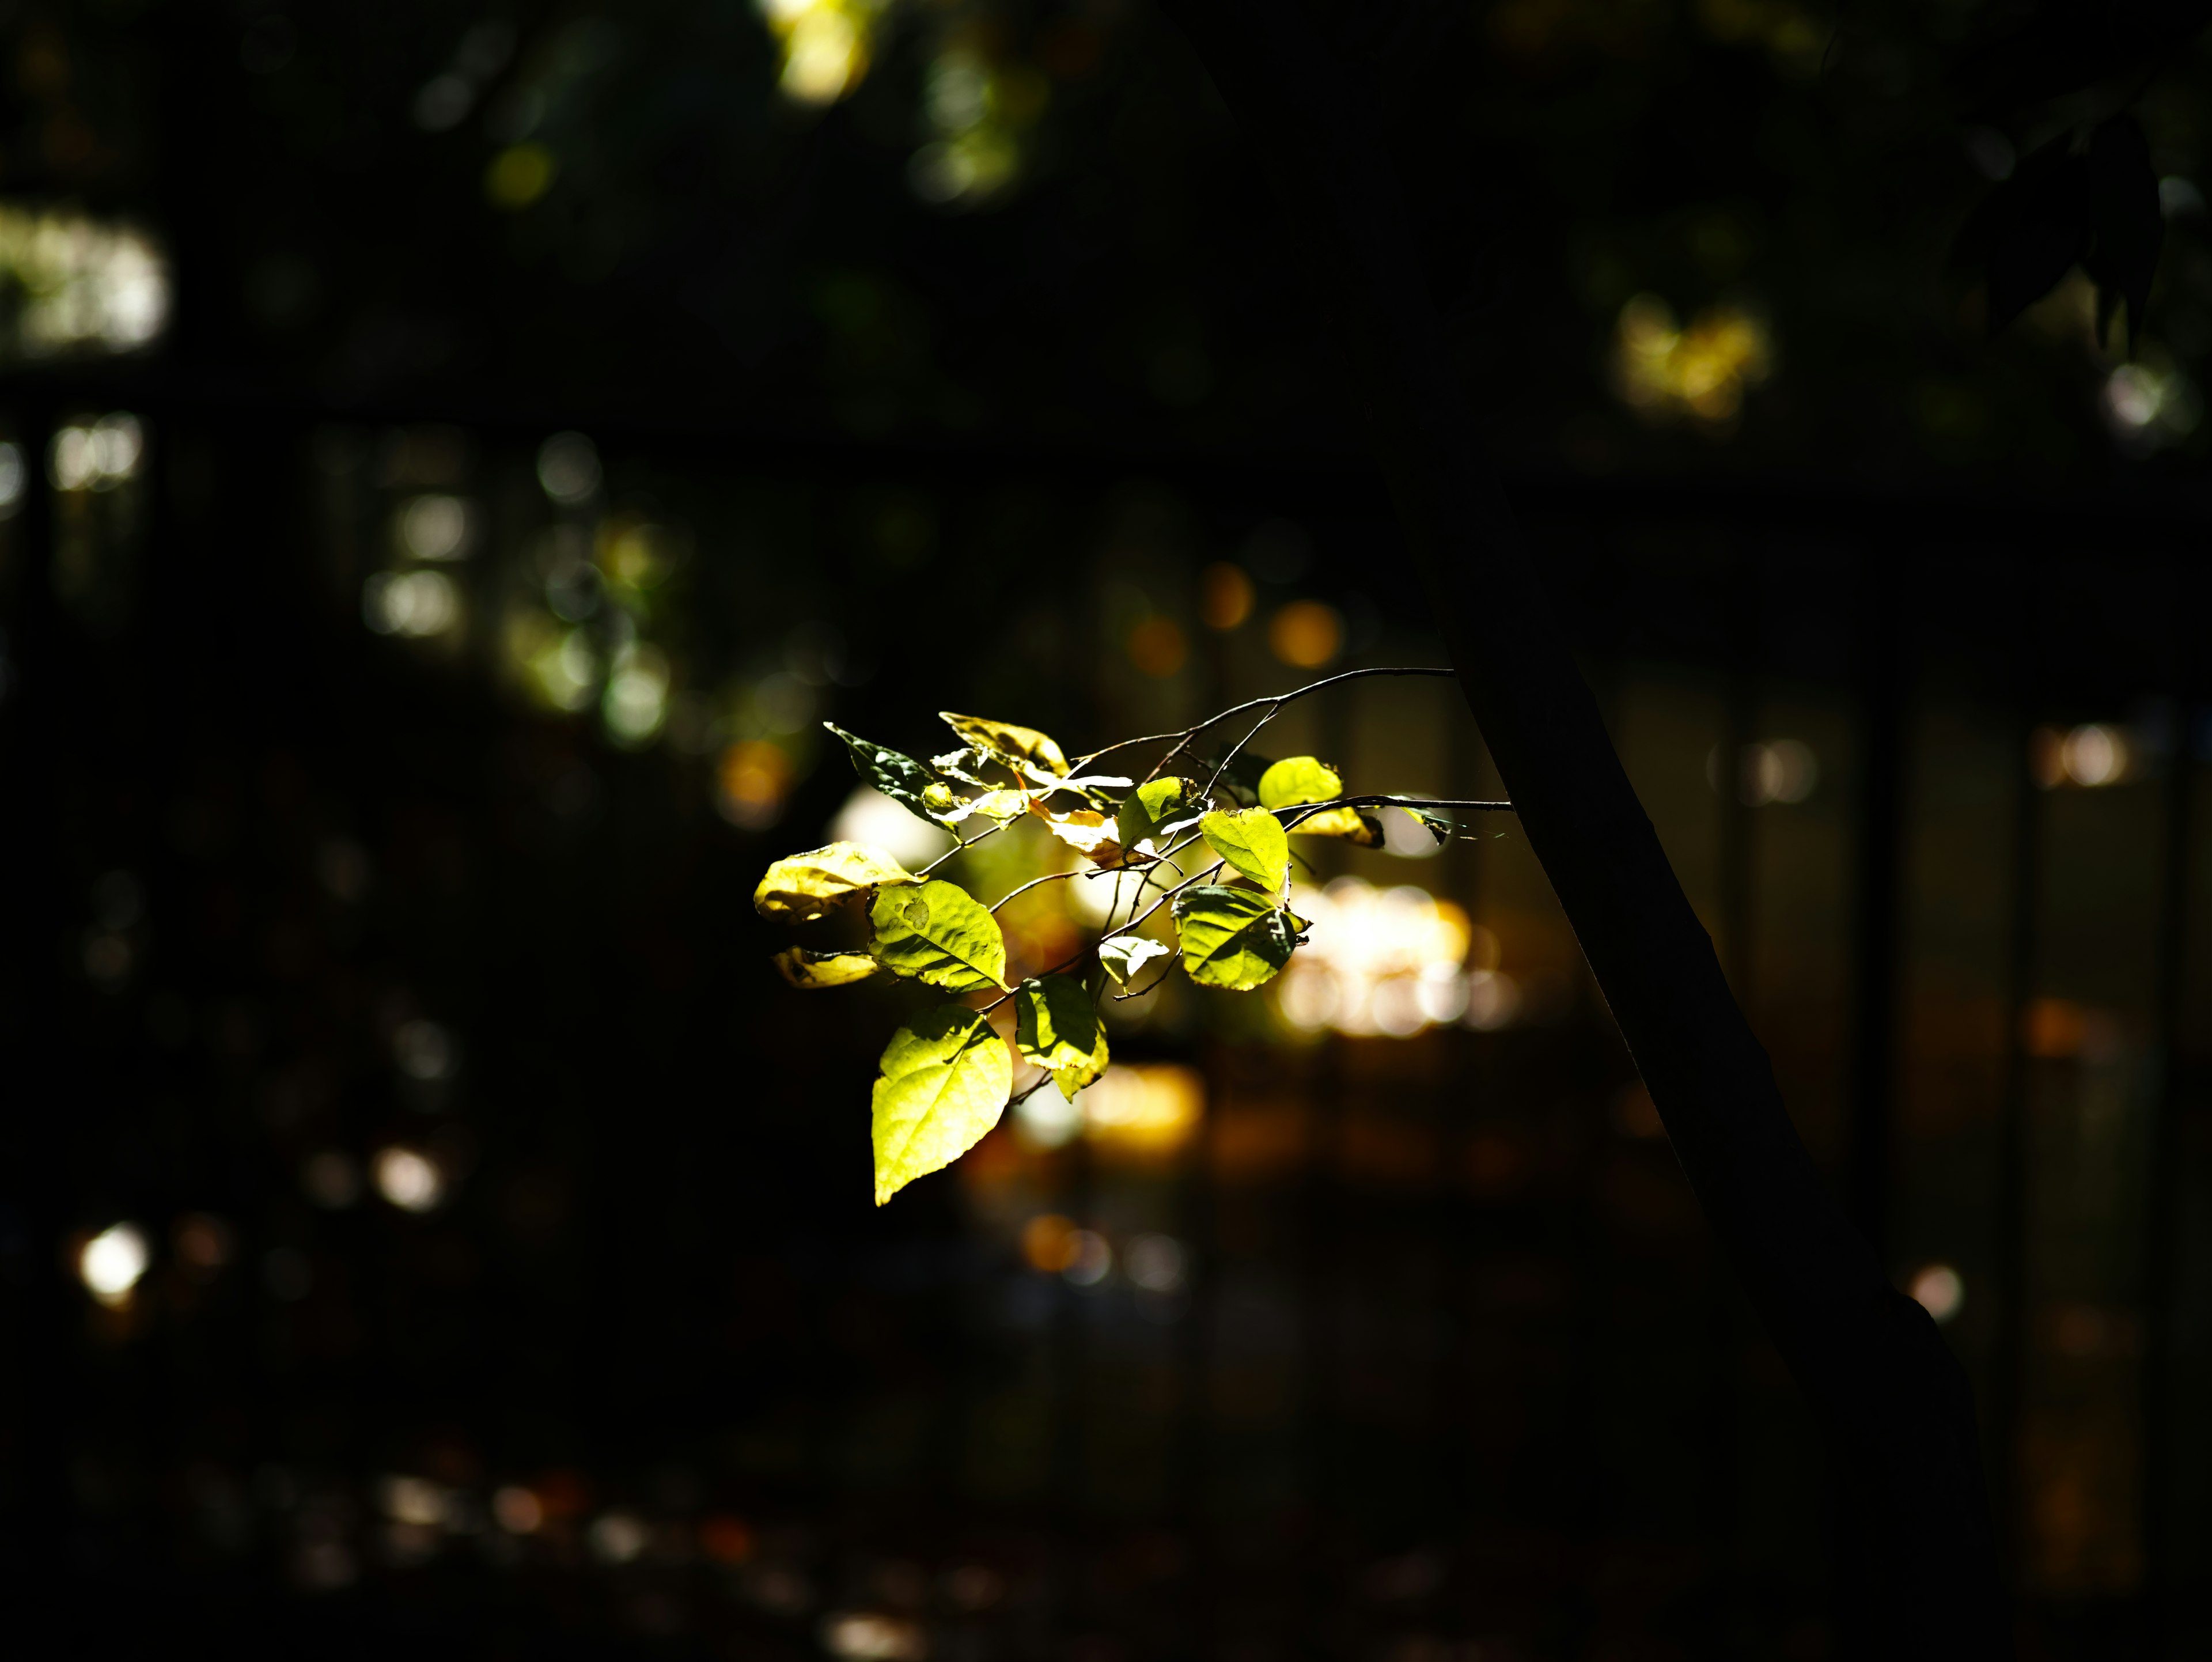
(2128, 227)
(2067, 44)
(2030, 230)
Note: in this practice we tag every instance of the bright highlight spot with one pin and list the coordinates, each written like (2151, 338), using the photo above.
(825, 45)
(1389, 963)
(869, 816)
(410, 1181)
(414, 604)
(864, 1637)
(112, 1262)
(1663, 370)
(1939, 1290)
(1306, 634)
(98, 457)
(80, 285)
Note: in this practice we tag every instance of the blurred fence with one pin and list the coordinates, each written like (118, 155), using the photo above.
(434, 1218)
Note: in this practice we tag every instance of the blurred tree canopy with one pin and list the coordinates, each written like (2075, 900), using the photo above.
(1716, 233)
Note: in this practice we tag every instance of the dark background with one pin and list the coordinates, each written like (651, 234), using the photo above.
(1452, 1374)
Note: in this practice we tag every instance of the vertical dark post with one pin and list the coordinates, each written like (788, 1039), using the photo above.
(2162, 1233)
(1877, 913)
(31, 925)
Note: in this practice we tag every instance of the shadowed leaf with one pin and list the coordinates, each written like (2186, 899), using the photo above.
(900, 777)
(2129, 226)
(1233, 938)
(1056, 1026)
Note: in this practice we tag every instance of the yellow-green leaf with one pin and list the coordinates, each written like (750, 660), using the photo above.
(999, 804)
(1056, 1026)
(805, 887)
(1253, 843)
(1125, 955)
(945, 1079)
(1024, 749)
(940, 934)
(1360, 829)
(1233, 938)
(1299, 779)
(802, 968)
(1085, 830)
(1146, 812)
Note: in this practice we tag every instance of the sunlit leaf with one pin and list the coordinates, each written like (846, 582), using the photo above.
(999, 804)
(899, 777)
(803, 968)
(1146, 813)
(1234, 938)
(1439, 825)
(1085, 830)
(1024, 749)
(1056, 1026)
(940, 934)
(1299, 779)
(1125, 955)
(1252, 842)
(946, 1077)
(1355, 826)
(805, 886)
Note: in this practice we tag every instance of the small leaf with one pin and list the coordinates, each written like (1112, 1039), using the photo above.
(1361, 830)
(1298, 780)
(946, 1077)
(1056, 1026)
(940, 934)
(803, 968)
(1252, 842)
(1233, 938)
(1125, 955)
(999, 804)
(1142, 819)
(1439, 825)
(1085, 830)
(805, 886)
(899, 777)
(1024, 749)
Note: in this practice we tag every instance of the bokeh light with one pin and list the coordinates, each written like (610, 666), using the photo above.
(1662, 369)
(1225, 595)
(111, 1263)
(83, 285)
(1389, 963)
(1306, 634)
(1940, 1290)
(408, 1179)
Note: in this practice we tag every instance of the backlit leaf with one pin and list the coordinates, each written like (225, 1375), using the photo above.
(1148, 811)
(945, 1078)
(1085, 830)
(1024, 749)
(805, 886)
(1056, 1026)
(1355, 826)
(1233, 938)
(1299, 779)
(940, 934)
(802, 968)
(1125, 955)
(899, 777)
(999, 804)
(1252, 842)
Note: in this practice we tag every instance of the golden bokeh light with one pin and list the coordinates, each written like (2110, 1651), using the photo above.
(1306, 634)
(1157, 648)
(1225, 595)
(1664, 370)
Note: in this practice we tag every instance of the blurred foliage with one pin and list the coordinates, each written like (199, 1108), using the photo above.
(1025, 219)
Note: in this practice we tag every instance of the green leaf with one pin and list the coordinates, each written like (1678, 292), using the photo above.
(945, 1078)
(940, 934)
(1022, 749)
(803, 968)
(805, 886)
(899, 777)
(1360, 829)
(1146, 812)
(1253, 843)
(1056, 1026)
(1297, 780)
(1125, 955)
(1085, 830)
(1233, 938)
(1440, 825)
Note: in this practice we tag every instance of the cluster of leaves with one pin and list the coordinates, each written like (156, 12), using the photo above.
(946, 1077)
